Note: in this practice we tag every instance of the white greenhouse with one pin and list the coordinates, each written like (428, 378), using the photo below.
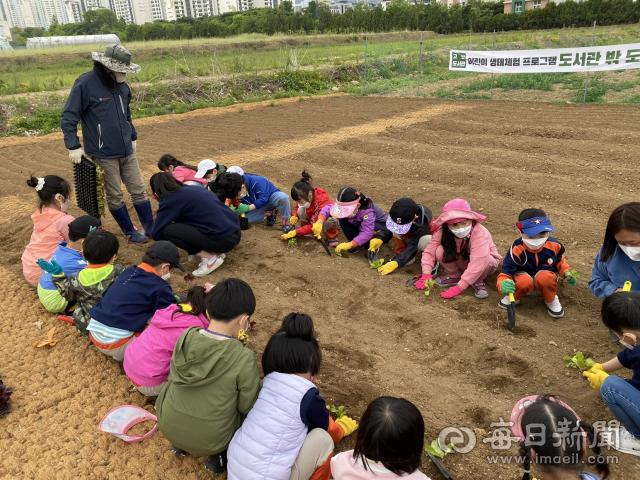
(43, 42)
(4, 44)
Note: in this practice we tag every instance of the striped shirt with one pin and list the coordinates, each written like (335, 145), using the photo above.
(104, 334)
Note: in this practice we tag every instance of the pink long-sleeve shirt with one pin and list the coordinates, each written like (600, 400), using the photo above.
(482, 251)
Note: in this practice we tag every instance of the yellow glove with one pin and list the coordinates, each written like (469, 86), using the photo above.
(375, 244)
(349, 425)
(317, 228)
(595, 377)
(343, 247)
(387, 268)
(293, 220)
(289, 235)
(597, 366)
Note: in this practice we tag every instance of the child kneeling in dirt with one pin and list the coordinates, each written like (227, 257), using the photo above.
(409, 225)
(389, 445)
(542, 425)
(259, 198)
(133, 299)
(464, 248)
(621, 314)
(181, 171)
(214, 381)
(360, 219)
(69, 256)
(534, 261)
(88, 286)
(289, 431)
(50, 223)
(310, 201)
(147, 358)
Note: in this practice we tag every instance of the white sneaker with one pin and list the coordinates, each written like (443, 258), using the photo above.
(192, 258)
(410, 262)
(208, 265)
(434, 270)
(623, 441)
(505, 302)
(555, 309)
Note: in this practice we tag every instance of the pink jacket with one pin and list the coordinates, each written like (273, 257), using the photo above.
(345, 467)
(147, 358)
(482, 251)
(50, 227)
(184, 174)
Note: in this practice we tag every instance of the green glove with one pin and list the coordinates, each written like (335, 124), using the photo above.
(572, 280)
(508, 286)
(242, 208)
(50, 267)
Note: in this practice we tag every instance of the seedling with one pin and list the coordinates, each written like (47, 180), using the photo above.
(339, 411)
(574, 273)
(377, 264)
(338, 253)
(293, 242)
(435, 449)
(578, 361)
(430, 284)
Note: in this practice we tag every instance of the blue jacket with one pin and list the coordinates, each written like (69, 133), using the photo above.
(69, 259)
(519, 258)
(259, 190)
(199, 208)
(630, 358)
(132, 300)
(607, 277)
(107, 129)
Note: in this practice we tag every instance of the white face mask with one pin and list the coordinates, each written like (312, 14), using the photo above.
(632, 252)
(120, 77)
(461, 232)
(534, 243)
(64, 202)
(305, 205)
(166, 276)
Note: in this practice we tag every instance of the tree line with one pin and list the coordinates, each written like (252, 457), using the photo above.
(400, 15)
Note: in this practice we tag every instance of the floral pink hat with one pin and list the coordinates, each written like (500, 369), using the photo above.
(458, 210)
(344, 209)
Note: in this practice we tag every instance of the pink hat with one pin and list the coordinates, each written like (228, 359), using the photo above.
(458, 210)
(344, 209)
(518, 412)
(121, 419)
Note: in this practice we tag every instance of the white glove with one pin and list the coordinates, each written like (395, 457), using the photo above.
(76, 155)
(133, 144)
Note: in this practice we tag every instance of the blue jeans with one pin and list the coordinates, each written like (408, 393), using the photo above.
(623, 399)
(279, 200)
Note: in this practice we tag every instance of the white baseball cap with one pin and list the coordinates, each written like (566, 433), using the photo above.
(235, 169)
(204, 166)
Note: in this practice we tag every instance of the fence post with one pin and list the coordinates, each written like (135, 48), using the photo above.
(493, 49)
(586, 84)
(419, 64)
(366, 43)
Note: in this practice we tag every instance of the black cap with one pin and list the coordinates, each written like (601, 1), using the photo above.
(403, 211)
(84, 224)
(165, 252)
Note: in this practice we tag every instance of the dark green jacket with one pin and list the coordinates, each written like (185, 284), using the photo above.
(212, 386)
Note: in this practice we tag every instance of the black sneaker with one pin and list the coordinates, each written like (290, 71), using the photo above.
(287, 228)
(177, 451)
(217, 463)
(271, 219)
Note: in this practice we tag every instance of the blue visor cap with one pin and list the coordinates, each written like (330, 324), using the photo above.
(533, 226)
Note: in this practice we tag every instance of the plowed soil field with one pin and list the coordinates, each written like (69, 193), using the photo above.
(455, 359)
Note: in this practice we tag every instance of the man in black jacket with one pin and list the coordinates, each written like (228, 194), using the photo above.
(100, 100)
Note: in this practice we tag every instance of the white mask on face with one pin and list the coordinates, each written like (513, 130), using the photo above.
(305, 205)
(64, 203)
(632, 252)
(166, 276)
(461, 232)
(534, 243)
(120, 77)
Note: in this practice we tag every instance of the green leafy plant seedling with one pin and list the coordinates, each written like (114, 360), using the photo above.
(338, 411)
(377, 264)
(574, 273)
(293, 241)
(437, 451)
(338, 253)
(578, 361)
(430, 284)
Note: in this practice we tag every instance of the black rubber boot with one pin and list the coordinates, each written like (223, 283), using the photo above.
(217, 463)
(145, 215)
(124, 222)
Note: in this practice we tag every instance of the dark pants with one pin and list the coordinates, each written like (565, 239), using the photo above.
(351, 231)
(194, 241)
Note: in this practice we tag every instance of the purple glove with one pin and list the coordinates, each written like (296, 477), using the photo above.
(420, 284)
(452, 292)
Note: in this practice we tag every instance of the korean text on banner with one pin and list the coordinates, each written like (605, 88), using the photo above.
(583, 59)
